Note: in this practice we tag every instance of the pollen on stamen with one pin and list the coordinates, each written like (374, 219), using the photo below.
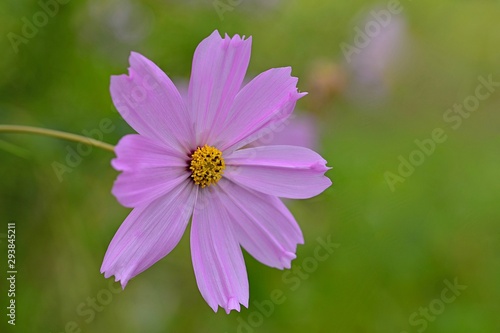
(207, 166)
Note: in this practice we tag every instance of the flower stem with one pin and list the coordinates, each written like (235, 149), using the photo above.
(57, 134)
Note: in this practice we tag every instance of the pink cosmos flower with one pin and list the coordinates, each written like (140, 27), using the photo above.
(187, 160)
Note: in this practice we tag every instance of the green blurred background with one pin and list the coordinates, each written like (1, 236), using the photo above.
(395, 249)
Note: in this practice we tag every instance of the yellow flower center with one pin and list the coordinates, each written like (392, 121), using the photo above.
(207, 166)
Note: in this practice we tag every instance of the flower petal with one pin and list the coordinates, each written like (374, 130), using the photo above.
(219, 67)
(150, 103)
(265, 101)
(149, 170)
(136, 188)
(135, 151)
(217, 258)
(148, 234)
(283, 171)
(263, 225)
